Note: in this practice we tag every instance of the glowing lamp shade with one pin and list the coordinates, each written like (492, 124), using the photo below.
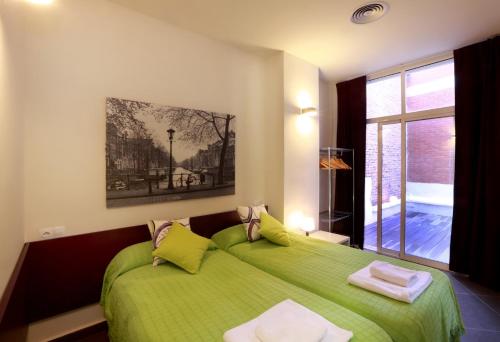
(295, 220)
(41, 2)
(308, 225)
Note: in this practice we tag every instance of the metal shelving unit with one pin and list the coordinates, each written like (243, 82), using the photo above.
(333, 216)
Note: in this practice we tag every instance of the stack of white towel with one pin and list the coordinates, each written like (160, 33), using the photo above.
(392, 281)
(288, 321)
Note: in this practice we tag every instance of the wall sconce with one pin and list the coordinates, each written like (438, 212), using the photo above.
(309, 111)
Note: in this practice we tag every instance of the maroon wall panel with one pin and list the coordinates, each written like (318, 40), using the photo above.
(208, 225)
(13, 314)
(59, 275)
(67, 273)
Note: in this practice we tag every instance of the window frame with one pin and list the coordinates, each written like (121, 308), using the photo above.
(403, 119)
(402, 69)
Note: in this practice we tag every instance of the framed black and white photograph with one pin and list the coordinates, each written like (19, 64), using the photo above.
(157, 153)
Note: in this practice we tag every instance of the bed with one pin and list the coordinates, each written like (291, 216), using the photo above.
(146, 303)
(323, 268)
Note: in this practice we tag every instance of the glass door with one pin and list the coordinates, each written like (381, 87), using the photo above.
(430, 161)
(411, 199)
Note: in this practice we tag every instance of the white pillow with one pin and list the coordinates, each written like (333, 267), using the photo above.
(155, 224)
(250, 216)
(159, 229)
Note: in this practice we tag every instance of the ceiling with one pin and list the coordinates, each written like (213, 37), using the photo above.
(320, 31)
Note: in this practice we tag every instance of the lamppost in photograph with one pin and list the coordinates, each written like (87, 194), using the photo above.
(170, 175)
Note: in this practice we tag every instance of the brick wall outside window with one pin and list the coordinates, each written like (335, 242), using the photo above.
(431, 151)
(430, 155)
(391, 161)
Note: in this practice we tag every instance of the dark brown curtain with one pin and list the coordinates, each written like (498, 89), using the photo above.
(475, 237)
(351, 133)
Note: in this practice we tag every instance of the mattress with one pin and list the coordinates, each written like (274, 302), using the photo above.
(165, 303)
(323, 268)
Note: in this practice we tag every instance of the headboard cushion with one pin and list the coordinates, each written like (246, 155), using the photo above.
(208, 225)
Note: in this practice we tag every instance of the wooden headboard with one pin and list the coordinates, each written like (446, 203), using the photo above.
(208, 225)
(59, 275)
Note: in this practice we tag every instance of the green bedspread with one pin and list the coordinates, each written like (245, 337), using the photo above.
(143, 303)
(323, 268)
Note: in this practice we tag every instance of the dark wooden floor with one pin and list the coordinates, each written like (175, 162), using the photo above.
(427, 234)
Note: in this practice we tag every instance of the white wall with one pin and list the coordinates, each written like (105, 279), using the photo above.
(327, 134)
(11, 182)
(332, 91)
(430, 193)
(327, 120)
(273, 133)
(301, 139)
(76, 53)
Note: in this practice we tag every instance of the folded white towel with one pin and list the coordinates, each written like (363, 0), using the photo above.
(365, 280)
(393, 274)
(288, 321)
(242, 333)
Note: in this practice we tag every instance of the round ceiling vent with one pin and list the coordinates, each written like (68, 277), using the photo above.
(370, 12)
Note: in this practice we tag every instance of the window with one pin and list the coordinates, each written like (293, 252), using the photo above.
(431, 86)
(383, 96)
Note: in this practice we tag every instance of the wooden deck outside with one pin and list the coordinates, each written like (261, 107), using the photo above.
(427, 234)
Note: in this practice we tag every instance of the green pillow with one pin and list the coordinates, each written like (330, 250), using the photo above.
(182, 248)
(273, 230)
(230, 236)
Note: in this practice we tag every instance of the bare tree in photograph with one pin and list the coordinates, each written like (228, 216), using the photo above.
(122, 115)
(198, 126)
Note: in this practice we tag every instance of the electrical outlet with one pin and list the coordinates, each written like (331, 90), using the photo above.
(52, 232)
